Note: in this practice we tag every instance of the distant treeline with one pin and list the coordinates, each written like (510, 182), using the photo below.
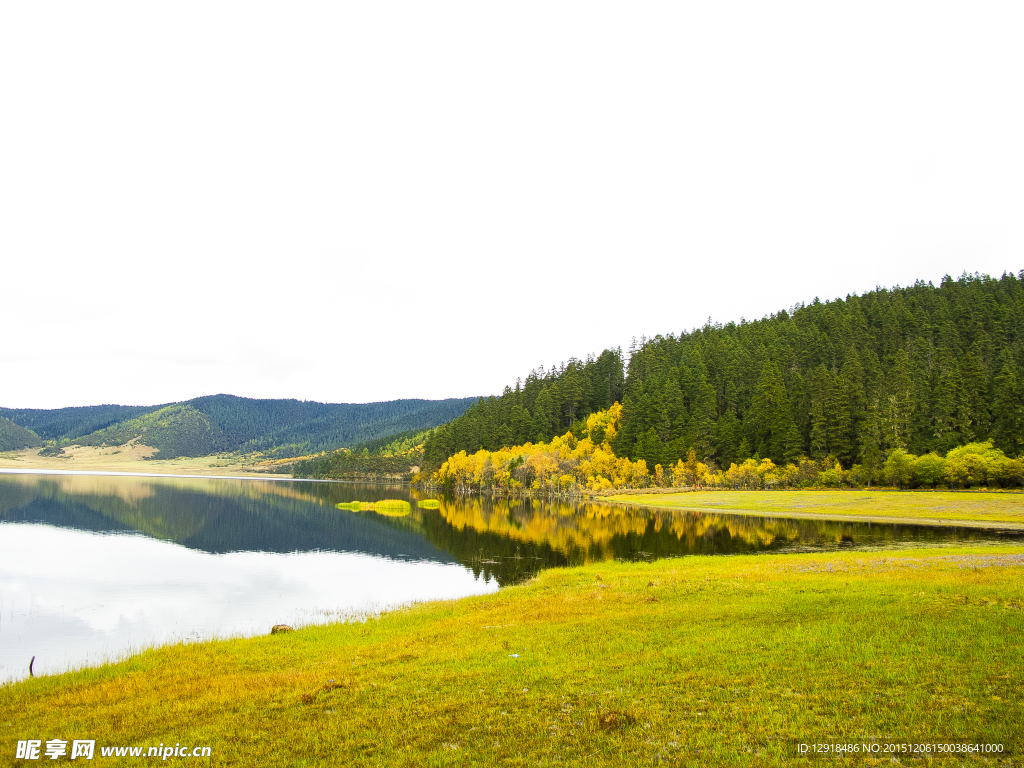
(400, 444)
(205, 425)
(69, 423)
(394, 456)
(920, 369)
(338, 465)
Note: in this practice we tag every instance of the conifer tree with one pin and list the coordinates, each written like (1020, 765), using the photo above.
(897, 406)
(870, 444)
(950, 419)
(769, 415)
(975, 384)
(1008, 408)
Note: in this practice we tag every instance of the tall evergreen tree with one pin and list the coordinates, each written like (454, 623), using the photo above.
(769, 415)
(976, 394)
(1008, 407)
(897, 404)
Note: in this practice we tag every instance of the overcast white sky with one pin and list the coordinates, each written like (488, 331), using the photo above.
(352, 202)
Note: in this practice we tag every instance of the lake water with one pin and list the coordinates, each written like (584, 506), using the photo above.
(96, 567)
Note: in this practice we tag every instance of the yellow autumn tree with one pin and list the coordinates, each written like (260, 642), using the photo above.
(564, 465)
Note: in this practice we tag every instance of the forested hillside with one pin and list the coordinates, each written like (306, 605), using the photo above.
(394, 445)
(177, 430)
(922, 368)
(394, 455)
(14, 438)
(295, 427)
(205, 425)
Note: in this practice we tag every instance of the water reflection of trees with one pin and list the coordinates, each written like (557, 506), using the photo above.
(543, 533)
(213, 516)
(505, 539)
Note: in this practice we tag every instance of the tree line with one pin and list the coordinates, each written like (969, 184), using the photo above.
(346, 464)
(68, 423)
(571, 466)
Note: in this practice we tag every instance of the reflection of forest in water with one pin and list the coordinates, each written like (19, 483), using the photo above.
(507, 539)
(212, 515)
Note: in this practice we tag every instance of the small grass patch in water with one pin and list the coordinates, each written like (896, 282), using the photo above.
(392, 507)
(387, 507)
(428, 504)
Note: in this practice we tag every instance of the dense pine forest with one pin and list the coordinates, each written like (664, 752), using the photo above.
(219, 423)
(920, 369)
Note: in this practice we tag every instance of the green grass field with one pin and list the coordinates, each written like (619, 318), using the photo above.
(692, 661)
(945, 506)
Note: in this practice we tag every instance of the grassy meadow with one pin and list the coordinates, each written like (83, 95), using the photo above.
(964, 507)
(691, 661)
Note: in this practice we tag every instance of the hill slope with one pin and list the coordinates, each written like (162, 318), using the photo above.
(14, 437)
(177, 430)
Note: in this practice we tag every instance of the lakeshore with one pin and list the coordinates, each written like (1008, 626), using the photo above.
(698, 660)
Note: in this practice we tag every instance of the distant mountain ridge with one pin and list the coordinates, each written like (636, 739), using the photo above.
(217, 423)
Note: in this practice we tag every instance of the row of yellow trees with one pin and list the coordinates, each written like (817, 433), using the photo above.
(567, 465)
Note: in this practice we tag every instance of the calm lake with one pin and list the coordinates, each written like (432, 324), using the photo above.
(95, 567)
